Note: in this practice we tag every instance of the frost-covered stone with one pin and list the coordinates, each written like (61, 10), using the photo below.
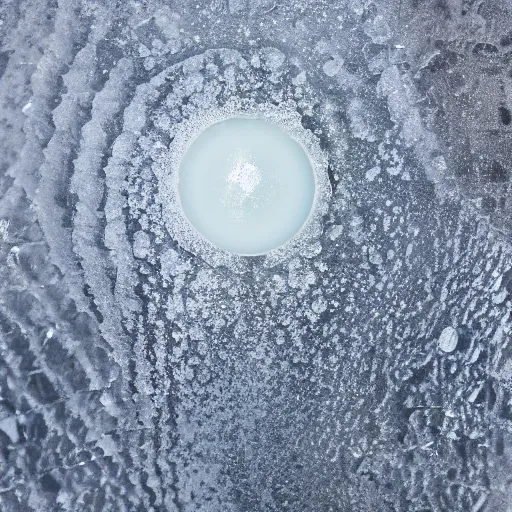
(448, 339)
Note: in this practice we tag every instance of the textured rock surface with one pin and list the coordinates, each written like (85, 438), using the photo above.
(370, 372)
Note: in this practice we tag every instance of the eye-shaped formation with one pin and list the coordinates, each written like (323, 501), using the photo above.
(360, 362)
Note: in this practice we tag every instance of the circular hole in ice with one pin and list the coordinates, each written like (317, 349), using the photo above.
(246, 185)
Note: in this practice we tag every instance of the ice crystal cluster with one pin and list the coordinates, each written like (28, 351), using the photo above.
(367, 370)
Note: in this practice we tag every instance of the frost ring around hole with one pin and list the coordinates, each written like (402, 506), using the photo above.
(167, 167)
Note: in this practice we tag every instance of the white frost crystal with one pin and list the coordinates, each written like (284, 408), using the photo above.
(332, 66)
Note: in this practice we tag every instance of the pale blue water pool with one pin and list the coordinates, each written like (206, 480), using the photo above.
(246, 185)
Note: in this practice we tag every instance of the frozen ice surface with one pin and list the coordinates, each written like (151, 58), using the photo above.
(366, 369)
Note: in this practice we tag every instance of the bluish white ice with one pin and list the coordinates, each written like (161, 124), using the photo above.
(246, 185)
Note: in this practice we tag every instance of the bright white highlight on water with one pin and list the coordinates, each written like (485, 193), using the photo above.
(246, 185)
